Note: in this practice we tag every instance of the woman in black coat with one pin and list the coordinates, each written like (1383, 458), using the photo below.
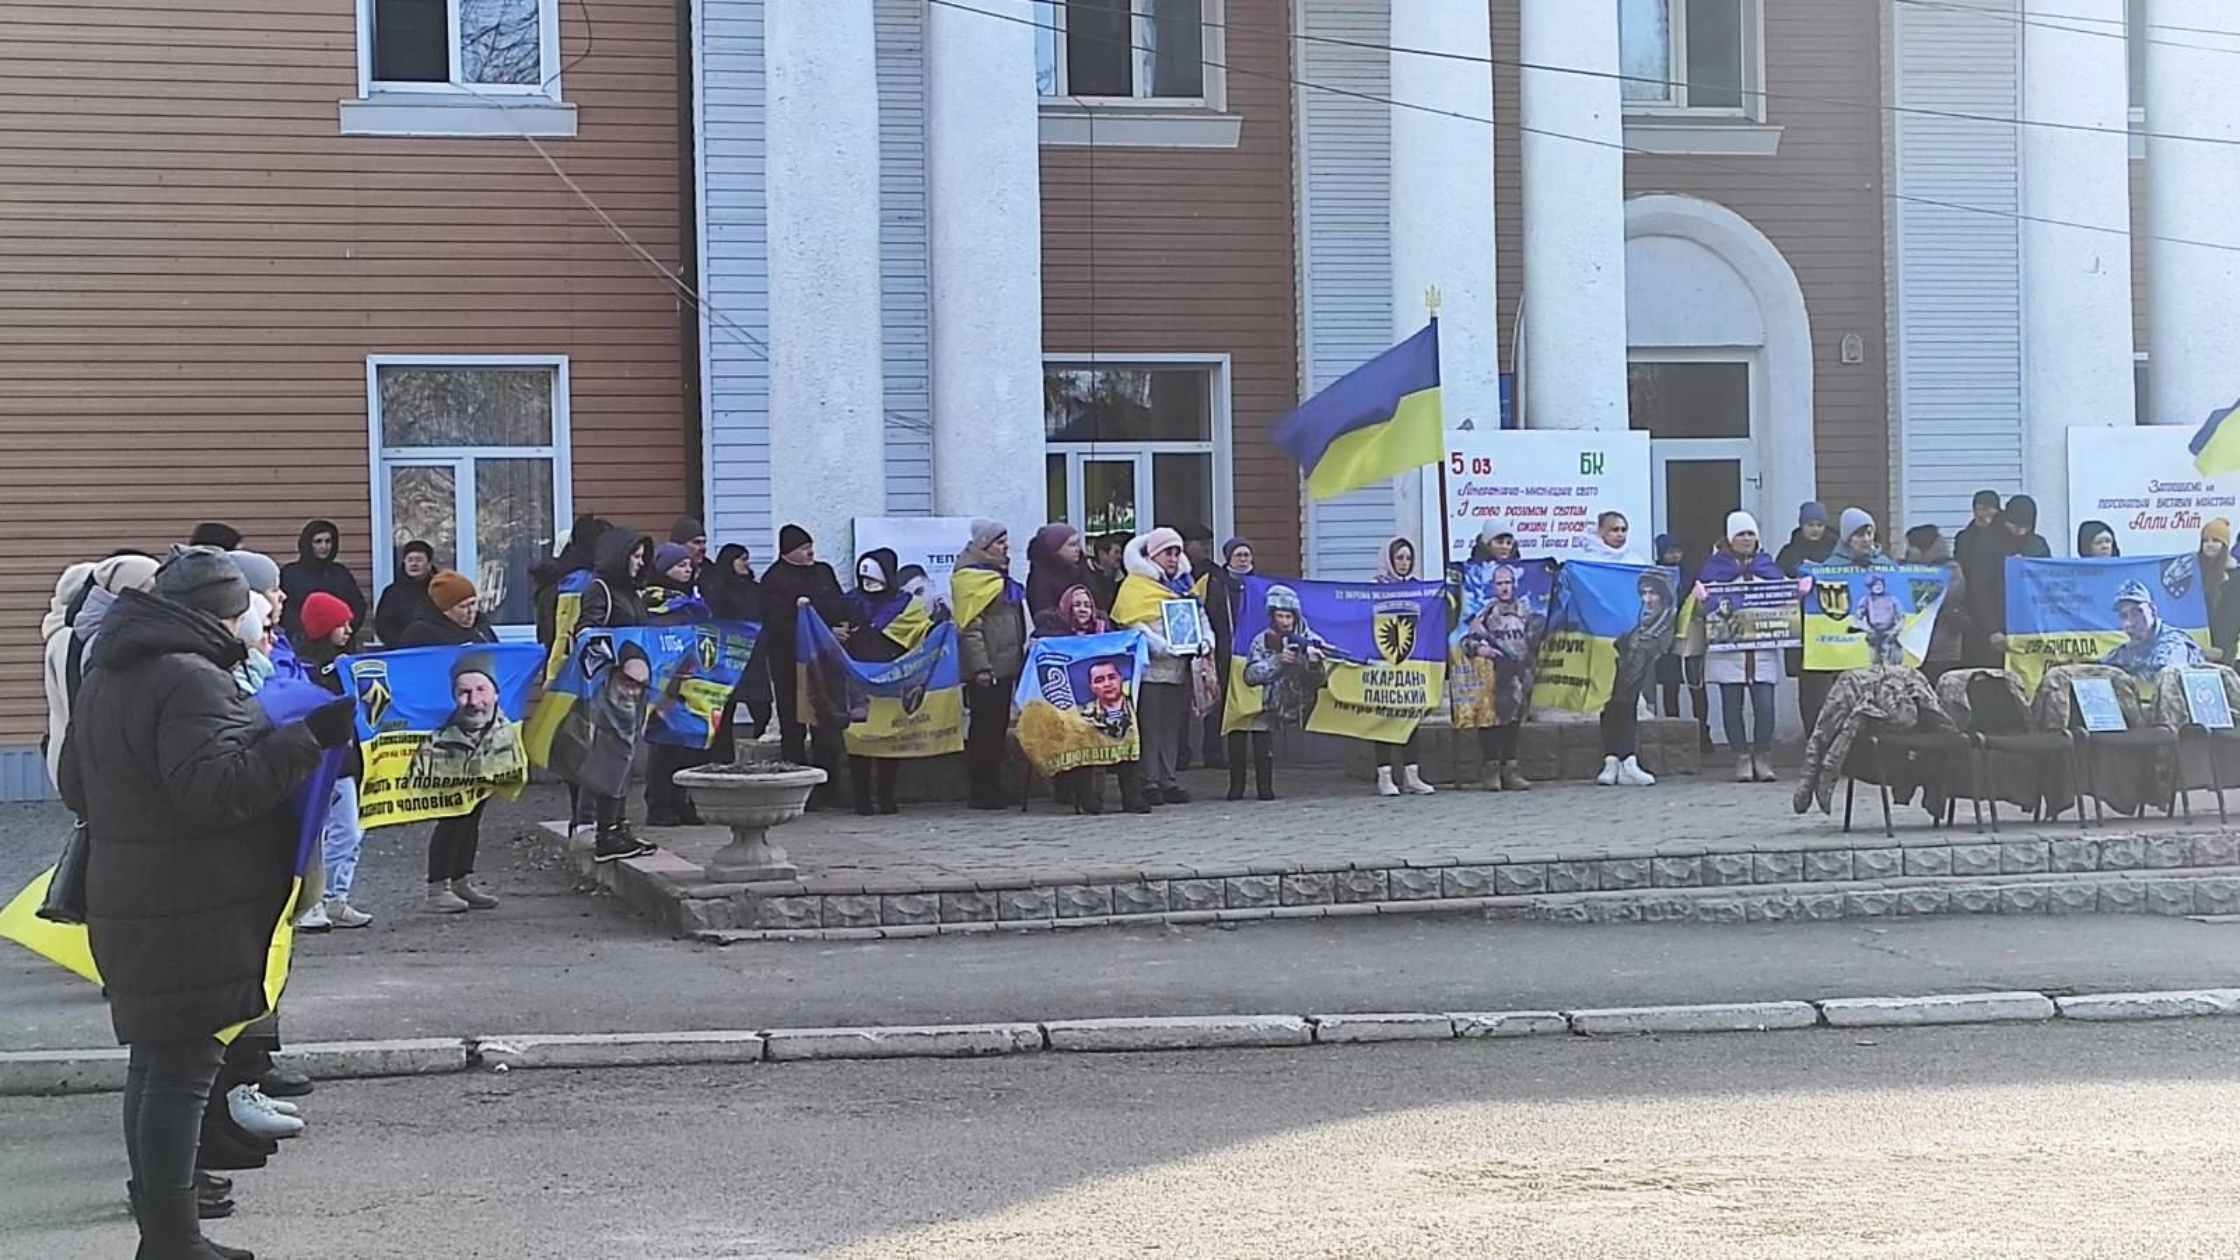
(184, 787)
(318, 567)
(799, 576)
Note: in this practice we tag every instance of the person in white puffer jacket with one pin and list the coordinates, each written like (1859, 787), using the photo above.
(81, 600)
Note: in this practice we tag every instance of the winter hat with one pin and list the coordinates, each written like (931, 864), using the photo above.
(1812, 514)
(449, 589)
(1229, 548)
(323, 614)
(252, 625)
(2218, 531)
(792, 538)
(985, 532)
(1852, 521)
(1738, 522)
(215, 534)
(1987, 498)
(257, 568)
(1159, 540)
(669, 555)
(1922, 537)
(130, 571)
(687, 529)
(475, 663)
(206, 581)
(2023, 511)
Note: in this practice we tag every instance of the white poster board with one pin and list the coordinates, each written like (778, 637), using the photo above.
(931, 542)
(1546, 486)
(2141, 483)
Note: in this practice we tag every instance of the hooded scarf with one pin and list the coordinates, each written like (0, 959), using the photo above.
(2091, 530)
(1048, 575)
(731, 596)
(1055, 623)
(1388, 569)
(307, 575)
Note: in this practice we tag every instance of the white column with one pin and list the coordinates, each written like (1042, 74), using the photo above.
(984, 161)
(2076, 283)
(827, 396)
(1574, 219)
(1442, 224)
(2193, 323)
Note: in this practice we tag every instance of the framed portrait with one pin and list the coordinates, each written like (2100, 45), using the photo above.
(1185, 627)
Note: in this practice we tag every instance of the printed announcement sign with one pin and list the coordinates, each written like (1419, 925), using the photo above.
(2140, 482)
(1545, 486)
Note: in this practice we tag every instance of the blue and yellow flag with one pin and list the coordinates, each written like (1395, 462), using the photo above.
(567, 609)
(1856, 616)
(1361, 659)
(1607, 626)
(695, 666)
(2141, 615)
(1500, 610)
(1077, 701)
(440, 728)
(1378, 421)
(2216, 447)
(912, 706)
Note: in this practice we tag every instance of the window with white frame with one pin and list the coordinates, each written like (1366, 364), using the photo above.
(488, 47)
(1135, 444)
(469, 456)
(1152, 51)
(1693, 56)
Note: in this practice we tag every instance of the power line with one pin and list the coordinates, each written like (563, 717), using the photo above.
(2057, 22)
(1888, 194)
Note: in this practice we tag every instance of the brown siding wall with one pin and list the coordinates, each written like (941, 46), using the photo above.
(1194, 251)
(1819, 200)
(194, 265)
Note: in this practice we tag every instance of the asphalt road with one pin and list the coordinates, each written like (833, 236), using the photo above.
(2017, 1141)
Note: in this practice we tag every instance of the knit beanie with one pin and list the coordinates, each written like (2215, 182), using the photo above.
(1050, 537)
(1229, 548)
(1739, 523)
(2218, 531)
(216, 534)
(792, 538)
(206, 581)
(1159, 540)
(668, 556)
(323, 614)
(449, 589)
(687, 529)
(985, 532)
(258, 569)
(1812, 514)
(1852, 521)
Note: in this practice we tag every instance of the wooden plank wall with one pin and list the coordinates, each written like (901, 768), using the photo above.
(194, 265)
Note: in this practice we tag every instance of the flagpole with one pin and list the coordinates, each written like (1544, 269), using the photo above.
(1446, 541)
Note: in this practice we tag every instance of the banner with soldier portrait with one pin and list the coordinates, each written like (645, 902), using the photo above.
(1077, 701)
(1855, 617)
(440, 728)
(2140, 615)
(912, 706)
(1366, 660)
(1494, 646)
(1607, 626)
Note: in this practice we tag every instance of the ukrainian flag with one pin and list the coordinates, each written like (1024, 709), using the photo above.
(1379, 420)
(2216, 448)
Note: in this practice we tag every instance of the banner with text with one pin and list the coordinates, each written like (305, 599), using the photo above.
(1608, 626)
(1545, 486)
(1750, 616)
(930, 543)
(1856, 617)
(2139, 614)
(2141, 483)
(1077, 701)
(912, 706)
(1361, 659)
(440, 728)
(1500, 615)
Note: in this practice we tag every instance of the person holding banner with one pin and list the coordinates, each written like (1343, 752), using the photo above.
(559, 582)
(2216, 563)
(1397, 772)
(1054, 566)
(1637, 652)
(1749, 673)
(876, 605)
(800, 578)
(991, 612)
(185, 786)
(453, 841)
(671, 598)
(732, 593)
(2096, 541)
(1855, 548)
(1158, 571)
(327, 627)
(1224, 597)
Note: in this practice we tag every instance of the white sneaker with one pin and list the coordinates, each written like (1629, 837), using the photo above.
(271, 1125)
(1385, 785)
(1630, 774)
(315, 919)
(1609, 775)
(1412, 783)
(280, 1105)
(342, 914)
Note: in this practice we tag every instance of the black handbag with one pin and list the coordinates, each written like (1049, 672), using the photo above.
(66, 892)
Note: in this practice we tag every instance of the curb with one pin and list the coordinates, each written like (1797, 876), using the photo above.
(97, 1071)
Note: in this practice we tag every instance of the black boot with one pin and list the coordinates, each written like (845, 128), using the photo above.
(890, 771)
(1264, 769)
(859, 783)
(1236, 778)
(171, 1227)
(1088, 790)
(1132, 796)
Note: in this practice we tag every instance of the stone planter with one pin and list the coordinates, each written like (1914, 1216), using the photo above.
(750, 799)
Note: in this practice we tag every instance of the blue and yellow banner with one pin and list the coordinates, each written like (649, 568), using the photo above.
(1608, 625)
(1366, 660)
(1494, 649)
(2140, 615)
(1077, 701)
(567, 610)
(695, 667)
(1856, 616)
(439, 728)
(912, 706)
(1376, 422)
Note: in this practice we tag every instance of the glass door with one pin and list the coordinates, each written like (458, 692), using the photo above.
(1100, 494)
(423, 505)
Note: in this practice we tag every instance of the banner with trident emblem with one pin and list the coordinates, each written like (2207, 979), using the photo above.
(440, 728)
(1361, 659)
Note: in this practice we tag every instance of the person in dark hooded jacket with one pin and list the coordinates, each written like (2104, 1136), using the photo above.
(625, 565)
(733, 594)
(667, 591)
(318, 567)
(687, 532)
(580, 555)
(799, 577)
(185, 786)
(405, 599)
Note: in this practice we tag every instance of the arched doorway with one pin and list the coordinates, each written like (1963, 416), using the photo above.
(1719, 367)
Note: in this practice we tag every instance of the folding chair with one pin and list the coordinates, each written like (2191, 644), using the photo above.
(1998, 727)
(2147, 743)
(1885, 753)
